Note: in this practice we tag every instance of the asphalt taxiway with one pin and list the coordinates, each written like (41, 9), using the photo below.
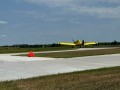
(17, 67)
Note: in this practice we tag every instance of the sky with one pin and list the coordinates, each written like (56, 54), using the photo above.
(52, 21)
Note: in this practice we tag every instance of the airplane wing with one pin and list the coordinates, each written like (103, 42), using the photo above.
(90, 43)
(67, 43)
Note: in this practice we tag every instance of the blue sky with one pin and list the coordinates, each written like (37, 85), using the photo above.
(52, 21)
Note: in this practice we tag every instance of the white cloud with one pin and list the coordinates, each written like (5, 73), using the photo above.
(50, 2)
(102, 12)
(89, 7)
(66, 2)
(111, 1)
(3, 22)
(3, 35)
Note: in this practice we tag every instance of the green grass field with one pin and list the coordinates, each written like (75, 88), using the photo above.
(99, 79)
(71, 54)
(18, 50)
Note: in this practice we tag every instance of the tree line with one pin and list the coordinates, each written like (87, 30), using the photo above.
(57, 45)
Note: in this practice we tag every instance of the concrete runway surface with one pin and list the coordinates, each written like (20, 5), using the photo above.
(17, 67)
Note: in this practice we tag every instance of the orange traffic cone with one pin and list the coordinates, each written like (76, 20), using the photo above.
(31, 54)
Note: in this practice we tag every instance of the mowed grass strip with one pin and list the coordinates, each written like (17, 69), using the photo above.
(18, 50)
(99, 79)
(71, 54)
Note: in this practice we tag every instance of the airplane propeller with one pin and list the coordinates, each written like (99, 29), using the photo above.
(73, 40)
(83, 42)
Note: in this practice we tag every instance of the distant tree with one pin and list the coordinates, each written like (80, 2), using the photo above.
(55, 45)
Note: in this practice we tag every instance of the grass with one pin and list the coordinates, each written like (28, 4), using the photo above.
(71, 54)
(99, 79)
(18, 50)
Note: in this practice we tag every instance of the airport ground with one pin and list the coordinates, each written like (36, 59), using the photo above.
(16, 67)
(78, 52)
(98, 79)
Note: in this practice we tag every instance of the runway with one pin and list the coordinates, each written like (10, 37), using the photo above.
(17, 67)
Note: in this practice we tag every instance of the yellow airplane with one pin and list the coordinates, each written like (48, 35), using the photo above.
(77, 43)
